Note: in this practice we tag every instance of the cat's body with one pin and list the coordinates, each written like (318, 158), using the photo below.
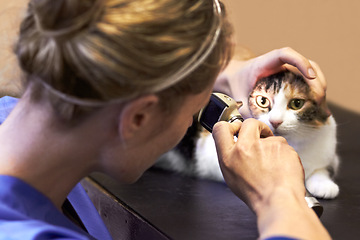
(285, 103)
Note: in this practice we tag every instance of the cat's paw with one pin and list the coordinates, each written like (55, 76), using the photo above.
(322, 187)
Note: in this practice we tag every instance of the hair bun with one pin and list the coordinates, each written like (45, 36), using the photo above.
(64, 17)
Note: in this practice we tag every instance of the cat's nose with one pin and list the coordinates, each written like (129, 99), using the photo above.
(276, 124)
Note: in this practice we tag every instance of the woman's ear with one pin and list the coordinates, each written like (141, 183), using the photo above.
(137, 116)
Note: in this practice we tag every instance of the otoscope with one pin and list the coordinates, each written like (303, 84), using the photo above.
(223, 108)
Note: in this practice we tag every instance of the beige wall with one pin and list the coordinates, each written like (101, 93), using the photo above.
(11, 12)
(327, 31)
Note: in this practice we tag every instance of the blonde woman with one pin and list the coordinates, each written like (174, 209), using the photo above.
(112, 84)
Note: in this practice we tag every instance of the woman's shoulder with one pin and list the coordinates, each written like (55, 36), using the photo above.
(6, 105)
(25, 213)
(35, 229)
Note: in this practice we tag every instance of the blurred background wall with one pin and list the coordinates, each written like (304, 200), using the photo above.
(11, 13)
(326, 31)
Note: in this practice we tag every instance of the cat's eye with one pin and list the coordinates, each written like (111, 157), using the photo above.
(262, 102)
(296, 103)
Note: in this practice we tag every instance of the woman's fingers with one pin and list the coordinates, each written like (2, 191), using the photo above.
(274, 62)
(223, 133)
(252, 130)
(248, 132)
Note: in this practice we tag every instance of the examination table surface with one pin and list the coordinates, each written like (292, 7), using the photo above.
(164, 205)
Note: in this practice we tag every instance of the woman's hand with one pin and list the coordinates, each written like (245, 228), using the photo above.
(266, 173)
(258, 164)
(240, 77)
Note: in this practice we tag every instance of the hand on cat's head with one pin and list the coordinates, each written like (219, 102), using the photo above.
(276, 61)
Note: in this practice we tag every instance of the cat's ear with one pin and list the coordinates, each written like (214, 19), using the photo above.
(137, 116)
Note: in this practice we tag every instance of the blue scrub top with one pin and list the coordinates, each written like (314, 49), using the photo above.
(25, 213)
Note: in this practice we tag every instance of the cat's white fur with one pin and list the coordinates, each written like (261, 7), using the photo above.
(316, 147)
(207, 164)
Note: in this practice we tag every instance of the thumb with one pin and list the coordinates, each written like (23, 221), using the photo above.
(223, 134)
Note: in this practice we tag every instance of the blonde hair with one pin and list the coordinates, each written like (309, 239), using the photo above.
(97, 51)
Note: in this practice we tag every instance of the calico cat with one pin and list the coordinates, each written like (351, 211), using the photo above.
(285, 103)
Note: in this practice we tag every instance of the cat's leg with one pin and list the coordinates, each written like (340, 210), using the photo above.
(320, 184)
(207, 163)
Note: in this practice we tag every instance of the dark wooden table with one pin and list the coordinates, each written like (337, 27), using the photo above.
(162, 205)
